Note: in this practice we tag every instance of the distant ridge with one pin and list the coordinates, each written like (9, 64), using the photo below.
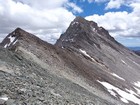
(134, 48)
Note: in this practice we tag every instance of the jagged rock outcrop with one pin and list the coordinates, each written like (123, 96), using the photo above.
(85, 66)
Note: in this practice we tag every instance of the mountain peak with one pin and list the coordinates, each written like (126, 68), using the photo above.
(12, 38)
(20, 37)
(18, 29)
(79, 19)
(18, 32)
(82, 31)
(83, 22)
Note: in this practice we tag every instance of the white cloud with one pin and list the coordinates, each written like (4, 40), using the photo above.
(118, 3)
(114, 4)
(110, 4)
(47, 19)
(47, 4)
(120, 23)
(75, 7)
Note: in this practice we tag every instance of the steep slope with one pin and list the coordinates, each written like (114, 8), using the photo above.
(23, 82)
(33, 61)
(106, 61)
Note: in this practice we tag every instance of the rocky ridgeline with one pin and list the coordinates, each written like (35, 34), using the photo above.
(86, 66)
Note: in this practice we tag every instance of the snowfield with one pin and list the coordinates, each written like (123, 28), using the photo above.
(125, 96)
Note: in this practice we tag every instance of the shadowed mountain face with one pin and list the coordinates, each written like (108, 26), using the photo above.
(135, 49)
(85, 59)
(137, 52)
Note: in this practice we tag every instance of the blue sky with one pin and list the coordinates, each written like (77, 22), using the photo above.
(49, 18)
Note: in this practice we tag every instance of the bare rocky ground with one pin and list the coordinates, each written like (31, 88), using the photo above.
(26, 83)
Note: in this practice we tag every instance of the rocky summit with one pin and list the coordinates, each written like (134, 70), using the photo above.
(86, 66)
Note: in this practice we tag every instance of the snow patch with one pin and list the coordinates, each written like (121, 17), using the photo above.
(12, 40)
(4, 98)
(125, 96)
(115, 75)
(74, 23)
(133, 61)
(85, 53)
(124, 100)
(137, 84)
(112, 93)
(123, 61)
(15, 42)
(138, 90)
(5, 46)
(93, 29)
(132, 92)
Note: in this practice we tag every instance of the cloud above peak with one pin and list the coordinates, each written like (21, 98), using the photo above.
(120, 23)
(74, 7)
(46, 18)
(43, 4)
(114, 4)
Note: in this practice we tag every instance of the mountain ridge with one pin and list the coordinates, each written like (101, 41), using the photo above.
(87, 56)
